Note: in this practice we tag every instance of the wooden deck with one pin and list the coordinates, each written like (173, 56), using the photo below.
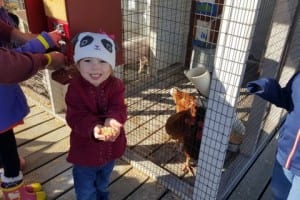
(44, 140)
(255, 184)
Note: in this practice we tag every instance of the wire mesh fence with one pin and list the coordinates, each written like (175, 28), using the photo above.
(232, 42)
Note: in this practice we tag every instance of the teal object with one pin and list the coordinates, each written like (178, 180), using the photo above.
(208, 9)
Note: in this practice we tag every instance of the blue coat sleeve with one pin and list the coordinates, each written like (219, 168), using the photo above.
(36, 45)
(270, 90)
(296, 93)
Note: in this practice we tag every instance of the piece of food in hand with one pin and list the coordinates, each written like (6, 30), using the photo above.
(108, 131)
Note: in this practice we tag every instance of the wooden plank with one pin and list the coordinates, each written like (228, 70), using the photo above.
(127, 184)
(59, 184)
(132, 185)
(30, 102)
(254, 182)
(175, 165)
(161, 175)
(47, 154)
(33, 120)
(138, 135)
(67, 196)
(152, 143)
(164, 154)
(40, 144)
(34, 110)
(170, 196)
(149, 190)
(121, 169)
(48, 171)
(62, 185)
(38, 131)
(267, 194)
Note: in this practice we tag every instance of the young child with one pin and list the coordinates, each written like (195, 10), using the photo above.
(95, 99)
(285, 182)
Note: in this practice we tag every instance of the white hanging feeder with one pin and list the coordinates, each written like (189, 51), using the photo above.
(200, 77)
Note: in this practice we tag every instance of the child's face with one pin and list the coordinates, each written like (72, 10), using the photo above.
(94, 70)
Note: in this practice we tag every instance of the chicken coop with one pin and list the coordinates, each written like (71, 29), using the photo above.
(192, 125)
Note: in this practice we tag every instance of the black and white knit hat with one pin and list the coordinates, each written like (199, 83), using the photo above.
(97, 45)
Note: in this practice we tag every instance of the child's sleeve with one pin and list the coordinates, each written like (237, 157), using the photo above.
(117, 108)
(270, 90)
(5, 31)
(80, 119)
(37, 45)
(296, 92)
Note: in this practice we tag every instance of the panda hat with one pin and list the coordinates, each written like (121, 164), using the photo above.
(96, 45)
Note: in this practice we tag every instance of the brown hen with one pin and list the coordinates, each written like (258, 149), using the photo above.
(186, 125)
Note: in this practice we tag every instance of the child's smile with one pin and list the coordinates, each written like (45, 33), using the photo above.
(95, 76)
(94, 70)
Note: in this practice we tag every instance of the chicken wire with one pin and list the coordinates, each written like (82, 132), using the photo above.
(171, 37)
(155, 32)
(245, 40)
(238, 46)
(250, 44)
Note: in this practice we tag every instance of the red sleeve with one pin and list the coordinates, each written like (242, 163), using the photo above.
(17, 67)
(117, 108)
(5, 31)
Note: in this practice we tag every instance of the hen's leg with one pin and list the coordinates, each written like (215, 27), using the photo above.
(187, 167)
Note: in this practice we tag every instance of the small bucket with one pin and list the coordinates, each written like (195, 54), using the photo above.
(200, 77)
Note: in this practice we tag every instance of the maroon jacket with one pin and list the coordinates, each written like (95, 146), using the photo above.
(16, 67)
(88, 106)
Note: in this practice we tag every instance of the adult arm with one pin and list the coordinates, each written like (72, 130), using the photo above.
(16, 67)
(20, 37)
(5, 31)
(37, 45)
(9, 33)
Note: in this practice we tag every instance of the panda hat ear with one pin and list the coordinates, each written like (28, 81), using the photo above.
(112, 37)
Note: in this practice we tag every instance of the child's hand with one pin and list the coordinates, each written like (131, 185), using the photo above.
(110, 133)
(106, 133)
(110, 122)
(97, 132)
(113, 123)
